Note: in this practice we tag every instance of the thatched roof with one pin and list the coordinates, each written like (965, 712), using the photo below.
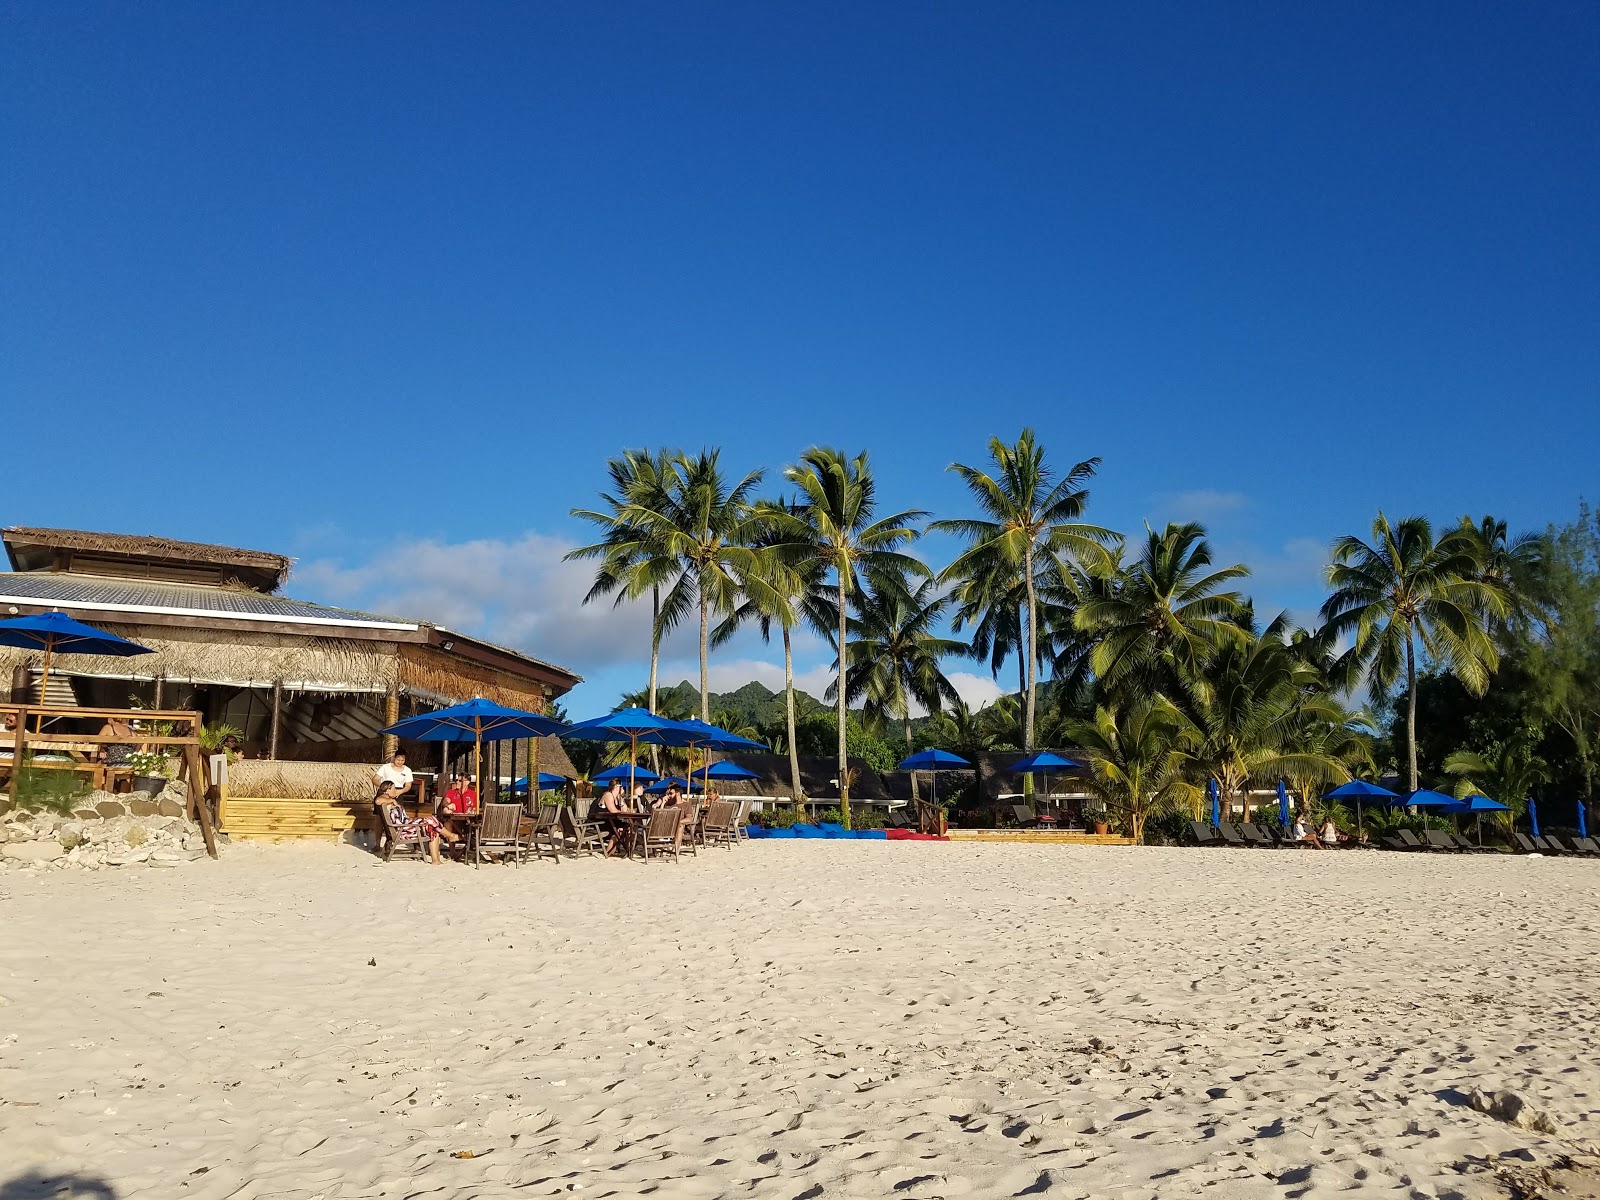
(32, 549)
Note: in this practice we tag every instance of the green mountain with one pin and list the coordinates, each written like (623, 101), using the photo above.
(754, 704)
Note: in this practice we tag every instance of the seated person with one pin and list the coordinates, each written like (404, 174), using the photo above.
(1330, 833)
(460, 800)
(116, 754)
(424, 829)
(611, 807)
(672, 797)
(1297, 831)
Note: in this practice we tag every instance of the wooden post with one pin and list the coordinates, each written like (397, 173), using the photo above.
(277, 718)
(197, 796)
(391, 714)
(19, 745)
(160, 679)
(533, 766)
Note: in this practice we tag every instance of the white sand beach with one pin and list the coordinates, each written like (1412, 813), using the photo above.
(797, 1020)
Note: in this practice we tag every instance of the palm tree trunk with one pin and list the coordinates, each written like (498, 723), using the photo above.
(655, 662)
(844, 761)
(705, 658)
(796, 792)
(906, 718)
(1411, 708)
(1033, 652)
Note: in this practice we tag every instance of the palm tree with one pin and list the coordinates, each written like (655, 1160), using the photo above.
(783, 586)
(1516, 565)
(632, 560)
(1508, 774)
(895, 651)
(1159, 617)
(1243, 718)
(1405, 586)
(1031, 519)
(707, 527)
(1137, 756)
(837, 501)
(962, 730)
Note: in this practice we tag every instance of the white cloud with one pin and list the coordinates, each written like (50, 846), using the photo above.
(517, 592)
(1198, 504)
(976, 690)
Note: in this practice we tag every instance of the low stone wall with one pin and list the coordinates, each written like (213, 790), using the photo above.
(103, 831)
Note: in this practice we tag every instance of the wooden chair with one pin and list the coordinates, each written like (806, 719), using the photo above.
(660, 833)
(392, 838)
(741, 821)
(542, 836)
(500, 828)
(691, 836)
(718, 827)
(1026, 818)
(579, 832)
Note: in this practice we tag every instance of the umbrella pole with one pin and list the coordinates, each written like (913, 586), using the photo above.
(477, 761)
(44, 682)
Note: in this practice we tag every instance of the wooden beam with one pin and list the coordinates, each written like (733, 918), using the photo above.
(197, 797)
(277, 718)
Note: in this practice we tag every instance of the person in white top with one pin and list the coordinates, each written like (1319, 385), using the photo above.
(1330, 834)
(396, 772)
(1298, 833)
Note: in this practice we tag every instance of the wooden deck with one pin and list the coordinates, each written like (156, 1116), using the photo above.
(1040, 837)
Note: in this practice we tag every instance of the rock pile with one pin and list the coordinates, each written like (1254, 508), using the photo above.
(103, 831)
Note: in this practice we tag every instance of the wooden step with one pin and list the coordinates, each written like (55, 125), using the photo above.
(268, 818)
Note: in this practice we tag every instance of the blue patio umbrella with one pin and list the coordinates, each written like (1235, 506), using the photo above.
(477, 721)
(703, 736)
(1533, 815)
(1042, 762)
(1423, 798)
(1215, 792)
(934, 760)
(547, 782)
(56, 633)
(1478, 805)
(1283, 805)
(1583, 820)
(636, 726)
(662, 785)
(729, 770)
(633, 774)
(1360, 791)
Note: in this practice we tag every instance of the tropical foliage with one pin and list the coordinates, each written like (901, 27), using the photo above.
(1479, 648)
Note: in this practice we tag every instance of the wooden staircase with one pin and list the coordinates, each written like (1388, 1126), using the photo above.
(253, 818)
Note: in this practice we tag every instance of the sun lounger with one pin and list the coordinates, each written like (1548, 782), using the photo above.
(1550, 845)
(1404, 839)
(1229, 833)
(1438, 839)
(1026, 818)
(1203, 834)
(1255, 835)
(1587, 844)
(1569, 845)
(1462, 842)
(896, 820)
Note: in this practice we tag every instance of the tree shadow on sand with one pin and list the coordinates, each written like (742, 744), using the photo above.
(36, 1185)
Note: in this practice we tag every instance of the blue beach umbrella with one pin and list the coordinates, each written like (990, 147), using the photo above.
(728, 770)
(662, 785)
(547, 782)
(1360, 791)
(1283, 805)
(1215, 793)
(1533, 815)
(1477, 805)
(1583, 820)
(627, 771)
(477, 721)
(934, 760)
(636, 726)
(1042, 762)
(702, 735)
(1423, 798)
(56, 633)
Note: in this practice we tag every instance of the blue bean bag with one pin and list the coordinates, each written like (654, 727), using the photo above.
(808, 831)
(781, 833)
(871, 835)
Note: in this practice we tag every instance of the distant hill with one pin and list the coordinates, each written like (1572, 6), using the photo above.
(755, 703)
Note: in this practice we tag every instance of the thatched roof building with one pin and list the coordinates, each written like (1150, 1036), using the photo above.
(303, 680)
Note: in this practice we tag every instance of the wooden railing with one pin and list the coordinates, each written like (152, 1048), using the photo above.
(30, 721)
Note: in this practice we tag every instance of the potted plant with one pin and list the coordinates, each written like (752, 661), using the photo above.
(150, 771)
(1094, 816)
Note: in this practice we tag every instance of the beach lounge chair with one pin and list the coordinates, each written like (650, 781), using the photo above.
(660, 833)
(1404, 839)
(1203, 834)
(896, 820)
(500, 829)
(1526, 844)
(1465, 843)
(1255, 835)
(1587, 845)
(1026, 818)
(1438, 839)
(580, 833)
(1550, 845)
(1567, 845)
(1229, 833)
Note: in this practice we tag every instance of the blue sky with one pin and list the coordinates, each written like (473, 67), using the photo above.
(384, 286)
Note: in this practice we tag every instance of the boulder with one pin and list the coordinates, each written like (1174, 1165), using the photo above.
(168, 807)
(37, 852)
(127, 858)
(136, 836)
(1511, 1108)
(141, 805)
(109, 809)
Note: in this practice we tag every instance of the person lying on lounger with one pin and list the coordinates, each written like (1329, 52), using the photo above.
(1330, 834)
